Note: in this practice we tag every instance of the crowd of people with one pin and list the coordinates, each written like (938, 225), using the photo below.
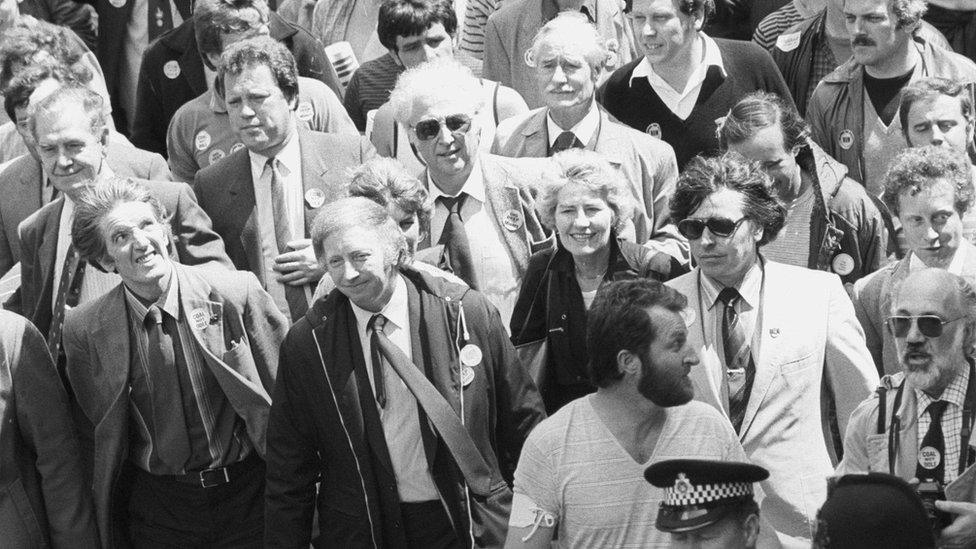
(478, 273)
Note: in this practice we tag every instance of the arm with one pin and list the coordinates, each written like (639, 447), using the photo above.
(535, 499)
(510, 103)
(863, 303)
(182, 161)
(863, 422)
(498, 66)
(816, 110)
(266, 328)
(872, 236)
(382, 135)
(196, 241)
(659, 183)
(337, 120)
(476, 15)
(352, 105)
(158, 170)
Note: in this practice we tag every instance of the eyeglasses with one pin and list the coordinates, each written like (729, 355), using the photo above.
(430, 128)
(692, 229)
(929, 325)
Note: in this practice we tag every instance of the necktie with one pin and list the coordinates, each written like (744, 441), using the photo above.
(169, 424)
(376, 325)
(160, 18)
(738, 357)
(933, 439)
(294, 295)
(565, 141)
(69, 290)
(454, 238)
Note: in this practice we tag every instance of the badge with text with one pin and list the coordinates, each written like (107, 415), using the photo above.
(216, 155)
(467, 376)
(314, 198)
(846, 139)
(653, 130)
(236, 147)
(202, 140)
(199, 318)
(929, 457)
(512, 220)
(788, 42)
(305, 111)
(842, 264)
(171, 69)
(774, 332)
(471, 355)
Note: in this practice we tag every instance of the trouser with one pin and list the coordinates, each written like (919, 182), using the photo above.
(427, 526)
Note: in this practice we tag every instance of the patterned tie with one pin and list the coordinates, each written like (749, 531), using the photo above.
(454, 238)
(933, 439)
(738, 357)
(169, 423)
(294, 295)
(69, 290)
(160, 18)
(376, 325)
(565, 141)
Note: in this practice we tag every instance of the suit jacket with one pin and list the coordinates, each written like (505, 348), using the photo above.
(194, 242)
(809, 343)
(22, 179)
(325, 426)
(872, 305)
(158, 96)
(226, 191)
(240, 348)
(647, 163)
(43, 497)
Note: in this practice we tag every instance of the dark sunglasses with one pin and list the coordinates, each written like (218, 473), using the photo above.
(692, 229)
(428, 129)
(929, 325)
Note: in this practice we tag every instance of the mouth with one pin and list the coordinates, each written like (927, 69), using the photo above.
(582, 237)
(147, 258)
(916, 360)
(450, 152)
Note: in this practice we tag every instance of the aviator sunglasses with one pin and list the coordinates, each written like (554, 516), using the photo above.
(692, 229)
(429, 128)
(929, 325)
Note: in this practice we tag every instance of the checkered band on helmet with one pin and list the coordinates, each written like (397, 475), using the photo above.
(684, 493)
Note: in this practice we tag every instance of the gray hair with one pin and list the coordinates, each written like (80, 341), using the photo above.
(572, 29)
(593, 172)
(69, 98)
(438, 81)
(359, 212)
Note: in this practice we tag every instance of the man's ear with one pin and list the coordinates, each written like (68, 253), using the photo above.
(751, 529)
(628, 362)
(106, 264)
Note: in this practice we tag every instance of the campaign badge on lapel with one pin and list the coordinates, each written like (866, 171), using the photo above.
(236, 147)
(172, 67)
(846, 139)
(199, 319)
(314, 198)
(470, 356)
(512, 220)
(305, 111)
(774, 332)
(216, 155)
(843, 264)
(202, 140)
(653, 130)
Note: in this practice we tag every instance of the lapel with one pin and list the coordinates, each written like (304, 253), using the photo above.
(708, 377)
(773, 316)
(502, 199)
(47, 249)
(242, 201)
(314, 168)
(110, 369)
(607, 142)
(421, 354)
(535, 136)
(192, 64)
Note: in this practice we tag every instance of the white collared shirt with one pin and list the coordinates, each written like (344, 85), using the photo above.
(955, 267)
(494, 267)
(747, 308)
(400, 416)
(682, 102)
(583, 130)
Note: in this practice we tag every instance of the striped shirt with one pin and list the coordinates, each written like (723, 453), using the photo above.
(475, 18)
(370, 87)
(774, 24)
(955, 395)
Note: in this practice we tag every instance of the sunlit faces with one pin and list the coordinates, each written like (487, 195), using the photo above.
(766, 147)
(939, 122)
(136, 245)
(932, 227)
(564, 75)
(726, 259)
(70, 153)
(664, 369)
(583, 219)
(450, 152)
(874, 32)
(356, 260)
(662, 30)
(434, 43)
(259, 112)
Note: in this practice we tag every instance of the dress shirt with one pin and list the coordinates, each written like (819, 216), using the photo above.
(583, 130)
(400, 417)
(955, 395)
(495, 269)
(682, 102)
(747, 307)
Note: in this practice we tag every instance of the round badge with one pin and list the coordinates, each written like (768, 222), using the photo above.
(471, 355)
(315, 198)
(216, 155)
(202, 140)
(199, 318)
(842, 264)
(305, 111)
(512, 220)
(171, 69)
(117, 3)
(846, 139)
(653, 130)
(236, 147)
(467, 376)
(929, 457)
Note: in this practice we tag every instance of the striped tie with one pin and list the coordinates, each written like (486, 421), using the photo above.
(738, 357)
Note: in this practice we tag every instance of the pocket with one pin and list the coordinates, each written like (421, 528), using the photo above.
(20, 525)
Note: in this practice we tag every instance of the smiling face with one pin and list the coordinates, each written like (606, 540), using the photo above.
(662, 31)
(564, 75)
(137, 246)
(726, 258)
(448, 154)
(583, 220)
(258, 110)
(664, 369)
(766, 147)
(873, 27)
(70, 153)
(940, 122)
(932, 227)
(356, 259)
(434, 43)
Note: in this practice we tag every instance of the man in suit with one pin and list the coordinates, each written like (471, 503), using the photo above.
(171, 371)
(484, 214)
(782, 353)
(400, 391)
(23, 184)
(174, 69)
(264, 197)
(71, 132)
(568, 57)
(929, 189)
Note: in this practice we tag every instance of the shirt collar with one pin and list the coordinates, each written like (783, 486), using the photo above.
(955, 267)
(290, 157)
(955, 393)
(396, 310)
(474, 186)
(583, 130)
(711, 56)
(750, 288)
(168, 302)
(550, 9)
(217, 104)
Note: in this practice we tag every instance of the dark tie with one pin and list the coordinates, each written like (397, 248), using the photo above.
(933, 439)
(738, 357)
(160, 18)
(294, 295)
(565, 141)
(376, 325)
(454, 238)
(169, 423)
(69, 290)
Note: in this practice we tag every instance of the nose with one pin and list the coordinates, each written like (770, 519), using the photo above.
(648, 29)
(558, 76)
(428, 53)
(141, 238)
(914, 335)
(349, 271)
(707, 238)
(445, 135)
(938, 137)
(691, 359)
(580, 219)
(246, 110)
(64, 158)
(931, 233)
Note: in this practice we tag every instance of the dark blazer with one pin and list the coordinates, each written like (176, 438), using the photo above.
(226, 191)
(22, 179)
(66, 13)
(158, 96)
(325, 428)
(240, 348)
(43, 497)
(194, 241)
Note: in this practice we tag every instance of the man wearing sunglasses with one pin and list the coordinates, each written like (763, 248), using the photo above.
(918, 423)
(780, 346)
(929, 189)
(484, 215)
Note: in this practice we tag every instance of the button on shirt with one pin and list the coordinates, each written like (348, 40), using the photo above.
(748, 307)
(955, 395)
(400, 417)
(583, 130)
(682, 102)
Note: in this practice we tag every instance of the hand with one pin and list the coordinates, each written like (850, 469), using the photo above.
(298, 266)
(962, 531)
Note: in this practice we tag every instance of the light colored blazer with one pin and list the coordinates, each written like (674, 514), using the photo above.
(810, 344)
(646, 162)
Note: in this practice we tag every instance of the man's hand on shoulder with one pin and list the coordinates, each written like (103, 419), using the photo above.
(962, 531)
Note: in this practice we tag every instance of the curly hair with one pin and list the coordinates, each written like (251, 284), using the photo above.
(595, 174)
(918, 169)
(440, 80)
(214, 18)
(927, 89)
(261, 50)
(413, 17)
(385, 181)
(758, 111)
(704, 177)
(618, 321)
(21, 44)
(908, 13)
(22, 85)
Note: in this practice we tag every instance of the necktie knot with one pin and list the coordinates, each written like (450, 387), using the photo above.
(729, 296)
(377, 322)
(936, 409)
(566, 140)
(454, 203)
(154, 315)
